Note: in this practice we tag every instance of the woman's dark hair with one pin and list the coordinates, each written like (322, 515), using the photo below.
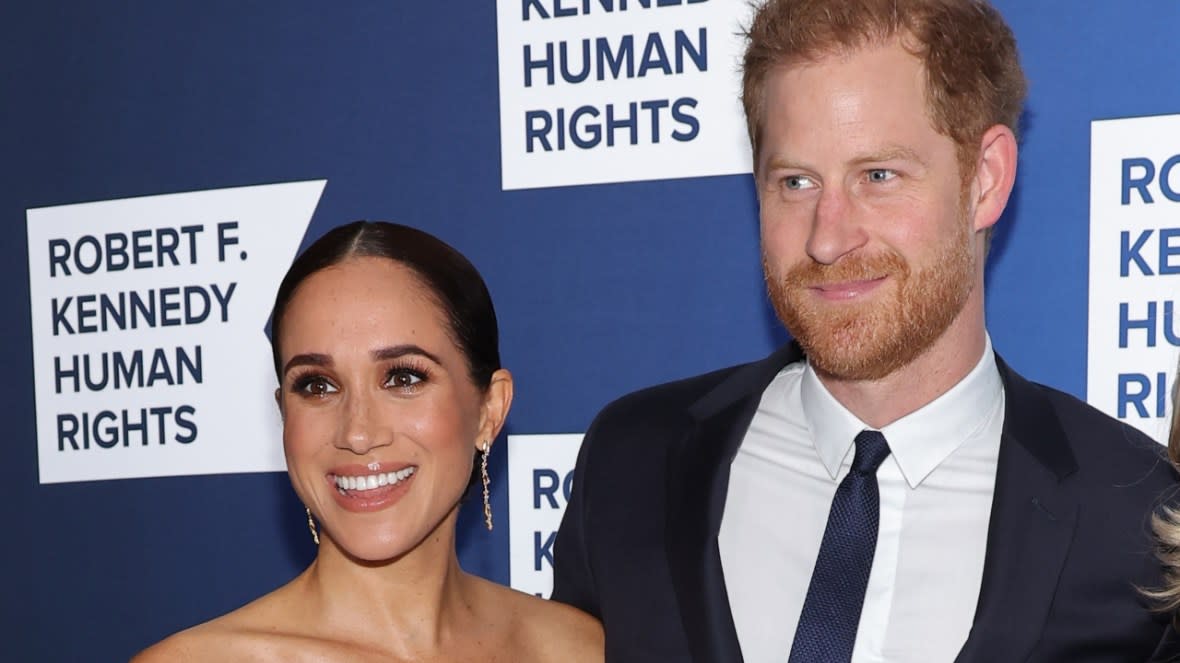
(451, 279)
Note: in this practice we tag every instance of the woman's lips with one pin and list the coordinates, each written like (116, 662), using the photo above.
(372, 487)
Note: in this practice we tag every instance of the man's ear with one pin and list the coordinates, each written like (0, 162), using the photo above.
(995, 175)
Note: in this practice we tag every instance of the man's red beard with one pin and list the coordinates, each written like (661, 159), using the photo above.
(853, 340)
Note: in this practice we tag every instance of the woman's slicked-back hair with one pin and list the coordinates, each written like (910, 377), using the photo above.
(451, 279)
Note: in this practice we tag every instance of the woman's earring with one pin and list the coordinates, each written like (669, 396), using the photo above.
(487, 497)
(315, 536)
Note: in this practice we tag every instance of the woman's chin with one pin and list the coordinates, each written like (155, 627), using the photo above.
(373, 550)
(374, 539)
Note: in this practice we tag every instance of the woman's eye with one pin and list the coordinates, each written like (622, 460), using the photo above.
(881, 175)
(315, 387)
(403, 378)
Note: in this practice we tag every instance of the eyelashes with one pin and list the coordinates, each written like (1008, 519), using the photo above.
(310, 383)
(406, 375)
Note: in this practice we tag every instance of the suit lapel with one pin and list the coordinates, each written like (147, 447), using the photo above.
(698, 480)
(1031, 527)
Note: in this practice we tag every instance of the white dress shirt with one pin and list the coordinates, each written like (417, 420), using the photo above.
(936, 494)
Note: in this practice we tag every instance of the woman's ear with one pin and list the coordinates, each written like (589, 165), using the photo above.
(496, 403)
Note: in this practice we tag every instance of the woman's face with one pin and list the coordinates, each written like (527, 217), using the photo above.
(380, 416)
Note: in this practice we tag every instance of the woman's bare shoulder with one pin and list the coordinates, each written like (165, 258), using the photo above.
(566, 633)
(554, 631)
(246, 634)
(206, 642)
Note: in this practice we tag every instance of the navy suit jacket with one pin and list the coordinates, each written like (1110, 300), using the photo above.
(1068, 542)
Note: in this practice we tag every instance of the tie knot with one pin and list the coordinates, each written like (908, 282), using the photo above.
(871, 451)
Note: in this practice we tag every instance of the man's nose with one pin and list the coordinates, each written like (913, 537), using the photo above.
(835, 228)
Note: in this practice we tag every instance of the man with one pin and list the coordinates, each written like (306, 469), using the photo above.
(886, 488)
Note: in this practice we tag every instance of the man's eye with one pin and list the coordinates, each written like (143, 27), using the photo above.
(797, 182)
(881, 175)
(403, 378)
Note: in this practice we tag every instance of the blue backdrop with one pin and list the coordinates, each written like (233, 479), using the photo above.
(599, 289)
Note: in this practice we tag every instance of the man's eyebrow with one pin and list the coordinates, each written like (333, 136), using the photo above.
(781, 162)
(890, 153)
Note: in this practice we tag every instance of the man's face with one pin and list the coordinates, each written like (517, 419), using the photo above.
(867, 245)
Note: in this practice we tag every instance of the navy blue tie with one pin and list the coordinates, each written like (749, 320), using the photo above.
(831, 612)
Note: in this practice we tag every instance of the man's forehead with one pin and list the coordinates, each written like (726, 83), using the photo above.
(886, 74)
(841, 53)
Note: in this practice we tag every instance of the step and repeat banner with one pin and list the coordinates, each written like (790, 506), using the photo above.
(164, 163)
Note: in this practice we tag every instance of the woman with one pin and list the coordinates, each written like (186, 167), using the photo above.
(385, 346)
(1166, 525)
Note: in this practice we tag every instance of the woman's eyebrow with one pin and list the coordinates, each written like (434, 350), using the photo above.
(395, 351)
(307, 359)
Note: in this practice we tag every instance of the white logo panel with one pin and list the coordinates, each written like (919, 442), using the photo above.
(1134, 269)
(601, 91)
(540, 475)
(149, 348)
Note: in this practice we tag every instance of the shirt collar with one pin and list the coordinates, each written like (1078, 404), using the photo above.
(921, 440)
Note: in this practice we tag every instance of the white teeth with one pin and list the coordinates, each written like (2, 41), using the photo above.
(371, 481)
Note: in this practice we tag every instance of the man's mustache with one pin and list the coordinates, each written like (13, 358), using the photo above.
(850, 268)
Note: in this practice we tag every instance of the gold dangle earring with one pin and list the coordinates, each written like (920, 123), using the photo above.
(315, 535)
(487, 482)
